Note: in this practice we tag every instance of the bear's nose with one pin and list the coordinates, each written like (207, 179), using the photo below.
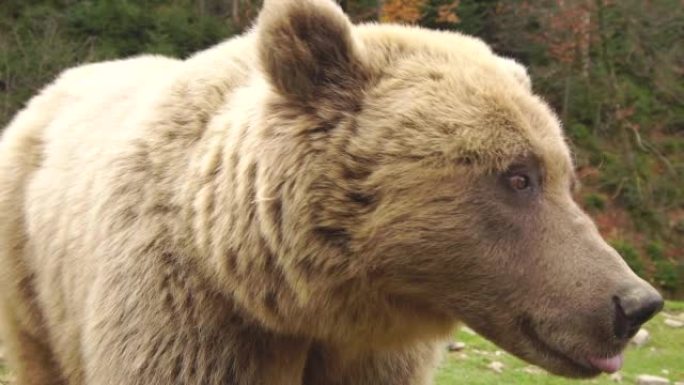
(634, 308)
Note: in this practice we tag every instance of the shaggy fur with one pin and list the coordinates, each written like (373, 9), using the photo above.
(309, 203)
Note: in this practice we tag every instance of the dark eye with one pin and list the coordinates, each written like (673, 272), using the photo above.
(519, 182)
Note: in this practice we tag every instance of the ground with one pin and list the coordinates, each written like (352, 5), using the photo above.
(662, 353)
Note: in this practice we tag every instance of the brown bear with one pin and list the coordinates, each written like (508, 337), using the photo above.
(309, 203)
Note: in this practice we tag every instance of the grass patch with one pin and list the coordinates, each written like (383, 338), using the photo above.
(661, 356)
(4, 375)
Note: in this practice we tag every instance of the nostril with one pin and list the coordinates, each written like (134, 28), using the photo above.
(647, 310)
(632, 312)
(621, 324)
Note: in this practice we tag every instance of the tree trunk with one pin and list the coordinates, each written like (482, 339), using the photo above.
(585, 42)
(202, 8)
(235, 13)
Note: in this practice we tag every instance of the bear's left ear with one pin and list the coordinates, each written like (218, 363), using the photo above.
(306, 48)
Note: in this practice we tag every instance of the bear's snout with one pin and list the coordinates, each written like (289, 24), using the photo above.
(634, 307)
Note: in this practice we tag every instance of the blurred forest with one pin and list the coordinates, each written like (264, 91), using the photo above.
(612, 69)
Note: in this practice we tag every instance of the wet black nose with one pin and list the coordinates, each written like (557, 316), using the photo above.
(634, 308)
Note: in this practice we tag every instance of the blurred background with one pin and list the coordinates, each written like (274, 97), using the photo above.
(612, 69)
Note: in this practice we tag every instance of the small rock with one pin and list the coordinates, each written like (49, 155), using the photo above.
(641, 338)
(481, 352)
(673, 323)
(665, 372)
(468, 330)
(679, 383)
(679, 317)
(496, 366)
(498, 353)
(616, 377)
(532, 370)
(455, 346)
(646, 379)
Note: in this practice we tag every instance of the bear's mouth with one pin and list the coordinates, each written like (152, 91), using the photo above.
(574, 367)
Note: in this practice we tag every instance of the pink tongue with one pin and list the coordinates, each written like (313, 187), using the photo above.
(608, 365)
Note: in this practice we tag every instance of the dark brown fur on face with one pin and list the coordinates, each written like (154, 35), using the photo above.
(310, 203)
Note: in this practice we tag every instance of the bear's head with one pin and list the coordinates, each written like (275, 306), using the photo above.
(420, 182)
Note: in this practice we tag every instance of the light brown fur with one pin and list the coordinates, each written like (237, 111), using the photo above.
(309, 203)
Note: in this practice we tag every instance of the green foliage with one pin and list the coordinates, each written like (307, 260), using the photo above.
(666, 275)
(39, 39)
(33, 49)
(120, 27)
(585, 140)
(656, 251)
(594, 202)
(127, 28)
(630, 254)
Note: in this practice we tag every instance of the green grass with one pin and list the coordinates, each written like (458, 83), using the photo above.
(662, 356)
(3, 374)
(664, 352)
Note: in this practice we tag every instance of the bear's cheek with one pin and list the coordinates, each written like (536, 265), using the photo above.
(455, 255)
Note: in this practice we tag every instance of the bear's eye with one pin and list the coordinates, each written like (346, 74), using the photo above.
(519, 182)
(522, 179)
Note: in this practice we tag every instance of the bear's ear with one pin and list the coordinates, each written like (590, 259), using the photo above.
(306, 48)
